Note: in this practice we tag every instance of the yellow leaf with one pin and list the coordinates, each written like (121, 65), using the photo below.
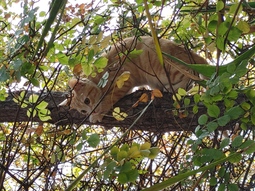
(119, 116)
(93, 39)
(122, 78)
(243, 26)
(145, 146)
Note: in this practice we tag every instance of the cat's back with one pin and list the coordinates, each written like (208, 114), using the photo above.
(145, 68)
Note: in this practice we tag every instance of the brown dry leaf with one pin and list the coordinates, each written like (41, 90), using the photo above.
(77, 70)
(7, 15)
(54, 173)
(183, 114)
(144, 98)
(39, 130)
(135, 104)
(156, 93)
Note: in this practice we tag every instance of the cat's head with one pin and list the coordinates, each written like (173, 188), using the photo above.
(85, 95)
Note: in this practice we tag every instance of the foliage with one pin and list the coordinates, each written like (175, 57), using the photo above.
(40, 49)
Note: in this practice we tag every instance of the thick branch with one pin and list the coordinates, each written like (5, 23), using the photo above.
(159, 116)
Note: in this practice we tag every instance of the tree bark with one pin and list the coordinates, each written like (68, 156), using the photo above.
(159, 117)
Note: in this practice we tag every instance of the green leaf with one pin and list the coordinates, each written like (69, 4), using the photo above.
(35, 82)
(33, 98)
(121, 155)
(235, 112)
(222, 187)
(101, 62)
(222, 172)
(44, 114)
(145, 153)
(233, 187)
(42, 105)
(213, 181)
(145, 146)
(195, 109)
(126, 167)
(234, 34)
(220, 43)
(202, 120)
(31, 112)
(250, 149)
(233, 9)
(219, 6)
(186, 101)
(124, 147)
(153, 152)
(44, 117)
(135, 53)
(212, 154)
(233, 94)
(4, 75)
(224, 143)
(90, 55)
(224, 120)
(243, 26)
(231, 68)
(212, 25)
(237, 141)
(246, 106)
(132, 175)
(114, 152)
(236, 158)
(223, 28)
(79, 146)
(196, 98)
(122, 178)
(212, 126)
(213, 111)
(241, 69)
(87, 69)
(182, 92)
(42, 14)
(93, 140)
(248, 146)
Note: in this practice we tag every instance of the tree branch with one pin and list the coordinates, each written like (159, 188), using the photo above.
(159, 117)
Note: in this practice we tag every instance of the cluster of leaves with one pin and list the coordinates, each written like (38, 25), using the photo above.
(122, 162)
(34, 106)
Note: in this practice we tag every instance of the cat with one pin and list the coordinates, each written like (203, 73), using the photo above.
(144, 69)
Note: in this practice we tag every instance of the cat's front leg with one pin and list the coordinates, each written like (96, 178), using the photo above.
(96, 117)
(103, 108)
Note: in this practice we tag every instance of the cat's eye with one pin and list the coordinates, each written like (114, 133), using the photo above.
(87, 101)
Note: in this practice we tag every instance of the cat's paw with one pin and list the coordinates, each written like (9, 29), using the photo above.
(95, 117)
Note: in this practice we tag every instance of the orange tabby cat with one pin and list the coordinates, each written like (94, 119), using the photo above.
(144, 69)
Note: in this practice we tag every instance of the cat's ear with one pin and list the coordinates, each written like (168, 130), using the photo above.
(73, 82)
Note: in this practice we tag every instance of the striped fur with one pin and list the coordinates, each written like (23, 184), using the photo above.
(144, 69)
